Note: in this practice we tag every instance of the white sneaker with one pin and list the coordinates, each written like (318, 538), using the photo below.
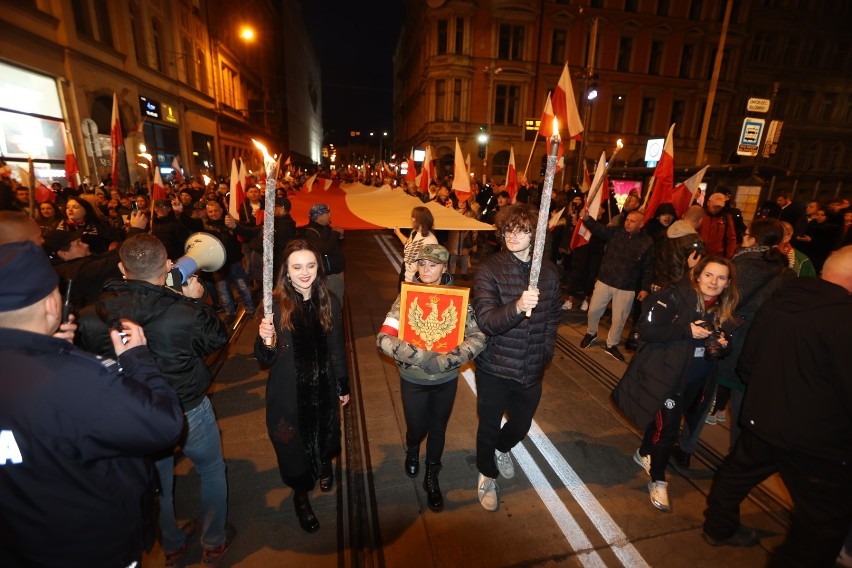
(584, 307)
(504, 464)
(568, 305)
(643, 461)
(659, 491)
(487, 490)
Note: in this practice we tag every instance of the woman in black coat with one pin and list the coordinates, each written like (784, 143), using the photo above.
(672, 375)
(305, 348)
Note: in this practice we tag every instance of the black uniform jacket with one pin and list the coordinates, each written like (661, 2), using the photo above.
(79, 492)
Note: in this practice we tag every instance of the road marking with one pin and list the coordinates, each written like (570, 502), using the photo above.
(394, 257)
(609, 530)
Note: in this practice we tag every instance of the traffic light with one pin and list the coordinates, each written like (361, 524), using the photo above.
(482, 138)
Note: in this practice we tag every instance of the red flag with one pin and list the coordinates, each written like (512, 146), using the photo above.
(115, 139)
(41, 192)
(582, 235)
(411, 174)
(237, 196)
(425, 177)
(158, 190)
(565, 107)
(176, 168)
(545, 128)
(72, 171)
(461, 179)
(587, 179)
(663, 178)
(309, 184)
(512, 176)
(685, 193)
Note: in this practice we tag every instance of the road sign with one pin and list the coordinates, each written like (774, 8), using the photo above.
(757, 105)
(750, 136)
(773, 134)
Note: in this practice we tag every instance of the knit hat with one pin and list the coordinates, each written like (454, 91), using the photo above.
(26, 275)
(317, 210)
(56, 240)
(435, 253)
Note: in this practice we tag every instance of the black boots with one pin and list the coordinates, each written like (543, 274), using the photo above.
(412, 461)
(326, 477)
(306, 515)
(433, 490)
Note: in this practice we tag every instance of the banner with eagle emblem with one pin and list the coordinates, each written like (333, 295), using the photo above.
(433, 317)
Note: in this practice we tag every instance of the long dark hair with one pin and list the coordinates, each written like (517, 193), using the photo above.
(290, 300)
(423, 220)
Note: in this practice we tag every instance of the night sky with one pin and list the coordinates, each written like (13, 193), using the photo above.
(355, 42)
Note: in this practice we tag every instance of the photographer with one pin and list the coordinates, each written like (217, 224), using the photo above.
(672, 376)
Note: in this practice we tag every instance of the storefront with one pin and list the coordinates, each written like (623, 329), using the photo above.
(161, 133)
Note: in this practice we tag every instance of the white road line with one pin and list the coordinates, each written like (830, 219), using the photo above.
(615, 538)
(390, 252)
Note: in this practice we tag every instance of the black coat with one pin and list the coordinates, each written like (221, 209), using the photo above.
(180, 331)
(301, 418)
(628, 260)
(660, 368)
(795, 363)
(519, 347)
(326, 242)
(81, 495)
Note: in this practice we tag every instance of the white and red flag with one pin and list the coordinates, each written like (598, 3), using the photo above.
(565, 106)
(176, 168)
(461, 179)
(512, 177)
(583, 235)
(663, 178)
(425, 172)
(41, 192)
(158, 190)
(686, 192)
(72, 170)
(237, 195)
(411, 173)
(545, 128)
(115, 139)
(309, 184)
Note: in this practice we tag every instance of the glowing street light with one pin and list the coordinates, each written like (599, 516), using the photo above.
(247, 33)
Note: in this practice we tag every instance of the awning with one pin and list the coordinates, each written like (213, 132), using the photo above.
(357, 206)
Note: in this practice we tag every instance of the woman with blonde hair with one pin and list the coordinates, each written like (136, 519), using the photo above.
(683, 331)
(303, 344)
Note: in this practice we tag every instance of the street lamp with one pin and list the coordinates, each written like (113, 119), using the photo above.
(490, 71)
(247, 33)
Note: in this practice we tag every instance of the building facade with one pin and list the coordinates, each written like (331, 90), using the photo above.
(187, 83)
(463, 66)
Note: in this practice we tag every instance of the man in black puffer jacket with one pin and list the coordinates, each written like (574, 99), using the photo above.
(181, 331)
(510, 369)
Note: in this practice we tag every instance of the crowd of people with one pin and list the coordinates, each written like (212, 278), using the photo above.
(719, 312)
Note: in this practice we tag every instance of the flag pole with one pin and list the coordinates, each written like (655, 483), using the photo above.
(527, 169)
(594, 191)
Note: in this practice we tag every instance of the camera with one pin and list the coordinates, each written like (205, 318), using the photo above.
(712, 348)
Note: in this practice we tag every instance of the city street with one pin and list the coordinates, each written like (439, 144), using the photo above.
(578, 499)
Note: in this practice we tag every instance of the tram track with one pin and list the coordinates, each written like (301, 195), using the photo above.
(766, 500)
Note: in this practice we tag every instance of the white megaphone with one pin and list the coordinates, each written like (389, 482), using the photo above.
(203, 252)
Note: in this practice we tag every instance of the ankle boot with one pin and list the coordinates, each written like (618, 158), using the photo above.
(326, 477)
(307, 519)
(430, 484)
(412, 461)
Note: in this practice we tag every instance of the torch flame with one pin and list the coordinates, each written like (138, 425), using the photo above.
(618, 144)
(266, 157)
(555, 126)
(206, 180)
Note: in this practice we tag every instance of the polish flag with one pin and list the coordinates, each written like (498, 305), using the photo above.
(115, 139)
(461, 179)
(411, 174)
(545, 128)
(41, 192)
(685, 193)
(237, 195)
(425, 177)
(512, 176)
(565, 107)
(158, 190)
(587, 179)
(176, 168)
(663, 178)
(582, 235)
(309, 184)
(72, 170)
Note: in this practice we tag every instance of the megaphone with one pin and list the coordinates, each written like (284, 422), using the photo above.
(203, 252)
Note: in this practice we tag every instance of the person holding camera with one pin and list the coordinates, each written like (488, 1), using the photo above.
(685, 330)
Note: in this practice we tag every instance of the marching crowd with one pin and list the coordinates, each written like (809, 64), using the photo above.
(719, 311)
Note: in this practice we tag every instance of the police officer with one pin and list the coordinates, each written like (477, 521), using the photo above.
(75, 482)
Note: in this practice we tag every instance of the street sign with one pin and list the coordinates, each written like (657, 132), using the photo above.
(757, 105)
(90, 137)
(750, 136)
(654, 149)
(773, 134)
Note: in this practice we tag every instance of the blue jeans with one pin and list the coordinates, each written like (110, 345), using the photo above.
(238, 276)
(204, 448)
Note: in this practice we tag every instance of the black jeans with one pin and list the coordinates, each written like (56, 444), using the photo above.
(822, 499)
(496, 397)
(660, 436)
(427, 411)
